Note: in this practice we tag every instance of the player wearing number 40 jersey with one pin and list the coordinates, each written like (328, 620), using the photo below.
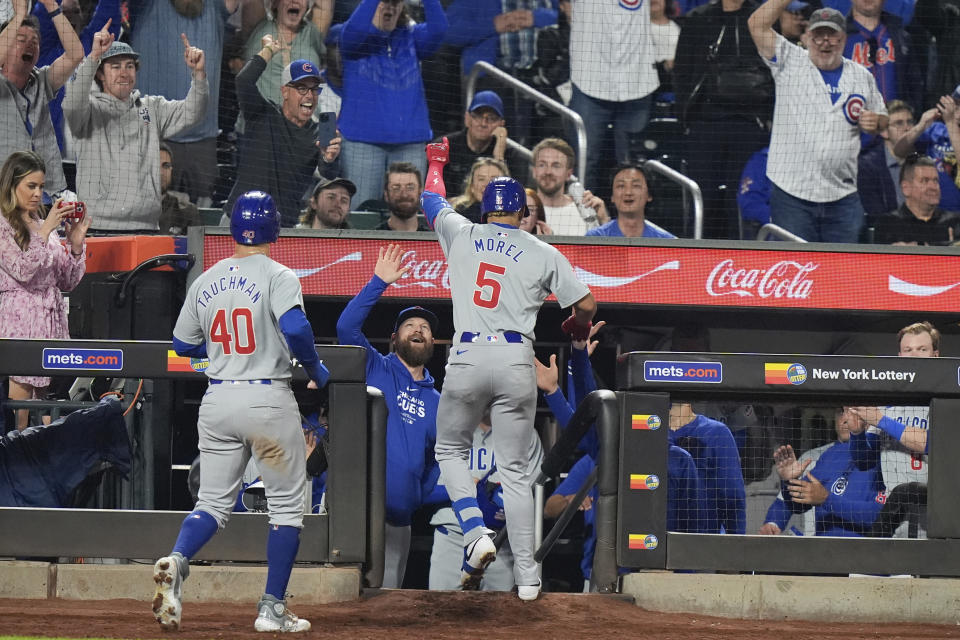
(246, 315)
(499, 278)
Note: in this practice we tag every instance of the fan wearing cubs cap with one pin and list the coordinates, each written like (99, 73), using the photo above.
(823, 102)
(499, 278)
(121, 181)
(245, 314)
(412, 400)
(281, 149)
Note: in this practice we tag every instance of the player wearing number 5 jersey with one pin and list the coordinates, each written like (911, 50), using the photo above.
(246, 315)
(499, 278)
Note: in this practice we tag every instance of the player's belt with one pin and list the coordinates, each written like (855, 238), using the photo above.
(508, 336)
(262, 381)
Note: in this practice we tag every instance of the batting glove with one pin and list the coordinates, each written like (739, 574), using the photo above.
(576, 331)
(438, 152)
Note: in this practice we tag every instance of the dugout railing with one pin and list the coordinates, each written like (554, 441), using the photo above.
(646, 383)
(350, 532)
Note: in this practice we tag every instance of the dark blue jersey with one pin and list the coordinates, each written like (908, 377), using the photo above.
(715, 452)
(855, 495)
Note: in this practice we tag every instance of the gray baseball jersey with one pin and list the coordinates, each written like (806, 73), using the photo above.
(500, 275)
(234, 307)
(249, 408)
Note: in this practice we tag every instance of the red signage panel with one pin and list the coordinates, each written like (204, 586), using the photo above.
(682, 276)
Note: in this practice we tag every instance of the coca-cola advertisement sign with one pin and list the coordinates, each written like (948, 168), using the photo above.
(783, 279)
(661, 275)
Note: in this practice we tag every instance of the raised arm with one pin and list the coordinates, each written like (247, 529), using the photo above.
(322, 15)
(761, 26)
(64, 66)
(905, 145)
(179, 115)
(76, 101)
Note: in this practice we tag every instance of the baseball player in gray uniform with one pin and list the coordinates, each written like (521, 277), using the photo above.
(246, 315)
(499, 278)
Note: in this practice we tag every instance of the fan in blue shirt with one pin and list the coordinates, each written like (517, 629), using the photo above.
(631, 193)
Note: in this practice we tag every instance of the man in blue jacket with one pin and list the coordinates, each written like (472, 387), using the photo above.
(846, 499)
(412, 400)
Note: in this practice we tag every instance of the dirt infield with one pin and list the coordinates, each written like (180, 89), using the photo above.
(423, 615)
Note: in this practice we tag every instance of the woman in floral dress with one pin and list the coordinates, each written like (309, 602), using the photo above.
(34, 264)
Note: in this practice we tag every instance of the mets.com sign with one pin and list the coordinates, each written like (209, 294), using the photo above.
(672, 371)
(86, 359)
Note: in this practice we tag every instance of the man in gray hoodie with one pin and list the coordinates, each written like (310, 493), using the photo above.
(118, 133)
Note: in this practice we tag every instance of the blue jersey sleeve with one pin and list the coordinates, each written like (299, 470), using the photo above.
(865, 450)
(686, 502)
(428, 36)
(580, 376)
(296, 329)
(189, 350)
(576, 477)
(561, 409)
(432, 204)
(778, 513)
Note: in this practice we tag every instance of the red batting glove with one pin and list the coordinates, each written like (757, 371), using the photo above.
(438, 154)
(578, 332)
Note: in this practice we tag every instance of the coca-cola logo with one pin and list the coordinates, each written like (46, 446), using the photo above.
(784, 279)
(428, 274)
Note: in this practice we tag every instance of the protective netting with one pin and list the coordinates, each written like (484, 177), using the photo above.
(754, 104)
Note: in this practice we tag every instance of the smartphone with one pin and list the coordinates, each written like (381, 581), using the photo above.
(79, 210)
(326, 127)
(956, 94)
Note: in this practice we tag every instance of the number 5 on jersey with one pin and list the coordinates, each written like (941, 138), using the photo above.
(486, 284)
(238, 335)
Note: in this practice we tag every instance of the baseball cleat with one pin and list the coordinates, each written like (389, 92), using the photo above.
(274, 616)
(167, 605)
(528, 592)
(477, 556)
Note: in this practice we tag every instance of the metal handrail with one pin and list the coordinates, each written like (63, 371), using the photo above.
(531, 93)
(771, 230)
(688, 185)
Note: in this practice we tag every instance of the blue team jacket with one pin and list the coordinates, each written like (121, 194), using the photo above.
(854, 499)
(383, 95)
(412, 470)
(715, 451)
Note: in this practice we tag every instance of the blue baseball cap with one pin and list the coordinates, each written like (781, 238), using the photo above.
(797, 6)
(487, 99)
(417, 312)
(298, 70)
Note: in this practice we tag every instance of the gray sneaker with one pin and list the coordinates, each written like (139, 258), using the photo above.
(168, 574)
(274, 616)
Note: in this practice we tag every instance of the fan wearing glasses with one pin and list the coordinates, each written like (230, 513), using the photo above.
(282, 145)
(878, 41)
(823, 103)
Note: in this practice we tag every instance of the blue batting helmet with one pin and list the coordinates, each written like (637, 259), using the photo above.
(255, 219)
(503, 194)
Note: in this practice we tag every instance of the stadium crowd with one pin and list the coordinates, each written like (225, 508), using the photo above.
(286, 94)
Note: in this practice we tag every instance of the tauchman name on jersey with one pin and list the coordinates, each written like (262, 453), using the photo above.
(499, 246)
(233, 283)
(862, 374)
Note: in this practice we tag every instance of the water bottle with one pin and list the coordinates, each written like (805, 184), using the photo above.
(575, 191)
